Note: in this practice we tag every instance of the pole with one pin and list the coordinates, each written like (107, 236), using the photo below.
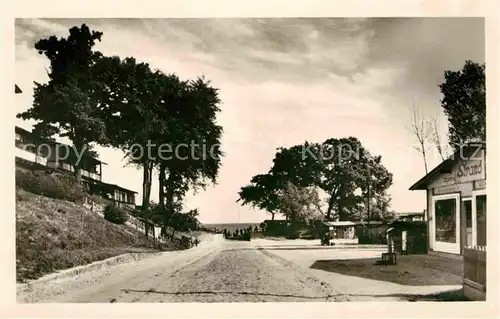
(368, 204)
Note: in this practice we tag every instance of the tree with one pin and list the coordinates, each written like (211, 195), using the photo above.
(377, 181)
(437, 139)
(69, 105)
(289, 165)
(340, 167)
(262, 193)
(193, 108)
(299, 204)
(464, 103)
(350, 175)
(422, 130)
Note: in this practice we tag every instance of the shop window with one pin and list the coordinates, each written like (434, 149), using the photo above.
(481, 219)
(445, 215)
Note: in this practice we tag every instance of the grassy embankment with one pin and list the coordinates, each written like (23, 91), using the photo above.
(54, 234)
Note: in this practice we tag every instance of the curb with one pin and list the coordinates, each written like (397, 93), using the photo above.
(80, 270)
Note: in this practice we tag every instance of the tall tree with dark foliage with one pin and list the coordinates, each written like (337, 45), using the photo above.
(464, 102)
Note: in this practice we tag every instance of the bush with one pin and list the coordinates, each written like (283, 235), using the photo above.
(114, 214)
(51, 185)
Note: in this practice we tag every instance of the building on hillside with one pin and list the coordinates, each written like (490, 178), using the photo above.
(35, 154)
(456, 200)
(27, 157)
(122, 197)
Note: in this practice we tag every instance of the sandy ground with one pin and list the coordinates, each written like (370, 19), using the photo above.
(228, 271)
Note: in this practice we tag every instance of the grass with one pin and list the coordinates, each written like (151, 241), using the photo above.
(414, 270)
(55, 234)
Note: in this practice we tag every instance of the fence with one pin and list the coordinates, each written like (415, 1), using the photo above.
(474, 281)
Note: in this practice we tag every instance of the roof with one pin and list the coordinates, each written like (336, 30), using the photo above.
(340, 223)
(17, 89)
(405, 225)
(447, 165)
(370, 222)
(22, 130)
(408, 214)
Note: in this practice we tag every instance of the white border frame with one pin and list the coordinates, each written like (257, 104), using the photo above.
(476, 193)
(453, 248)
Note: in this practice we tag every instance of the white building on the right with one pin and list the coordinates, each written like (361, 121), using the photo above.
(456, 212)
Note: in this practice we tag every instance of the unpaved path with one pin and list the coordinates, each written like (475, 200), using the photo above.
(215, 271)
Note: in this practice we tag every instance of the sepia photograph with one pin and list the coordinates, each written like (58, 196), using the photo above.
(209, 160)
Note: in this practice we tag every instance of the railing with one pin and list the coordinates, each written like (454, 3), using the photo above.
(474, 281)
(29, 156)
(71, 168)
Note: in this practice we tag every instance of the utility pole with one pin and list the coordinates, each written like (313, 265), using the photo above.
(368, 213)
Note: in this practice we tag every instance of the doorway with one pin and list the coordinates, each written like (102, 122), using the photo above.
(469, 223)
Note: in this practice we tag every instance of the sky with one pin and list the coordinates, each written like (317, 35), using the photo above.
(282, 82)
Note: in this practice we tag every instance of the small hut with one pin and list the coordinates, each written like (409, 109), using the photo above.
(407, 237)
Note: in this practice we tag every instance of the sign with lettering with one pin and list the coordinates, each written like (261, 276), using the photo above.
(471, 170)
(465, 171)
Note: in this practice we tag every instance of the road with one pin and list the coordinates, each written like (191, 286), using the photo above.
(215, 271)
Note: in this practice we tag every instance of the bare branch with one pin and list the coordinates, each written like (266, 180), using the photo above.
(422, 130)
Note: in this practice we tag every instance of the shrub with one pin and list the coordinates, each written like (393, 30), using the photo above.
(114, 214)
(51, 185)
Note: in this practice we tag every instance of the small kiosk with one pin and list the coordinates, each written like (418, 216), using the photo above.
(456, 219)
(456, 200)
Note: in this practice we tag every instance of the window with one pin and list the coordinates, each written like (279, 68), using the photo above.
(445, 215)
(467, 207)
(481, 219)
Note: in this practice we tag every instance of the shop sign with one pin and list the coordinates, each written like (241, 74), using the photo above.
(471, 170)
(465, 171)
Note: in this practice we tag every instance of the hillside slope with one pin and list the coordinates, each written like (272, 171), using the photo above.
(55, 234)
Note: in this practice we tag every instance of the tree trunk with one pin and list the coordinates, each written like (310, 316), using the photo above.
(150, 176)
(161, 182)
(293, 221)
(272, 216)
(169, 193)
(78, 174)
(330, 207)
(145, 186)
(425, 158)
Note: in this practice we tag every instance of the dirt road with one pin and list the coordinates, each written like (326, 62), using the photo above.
(215, 271)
